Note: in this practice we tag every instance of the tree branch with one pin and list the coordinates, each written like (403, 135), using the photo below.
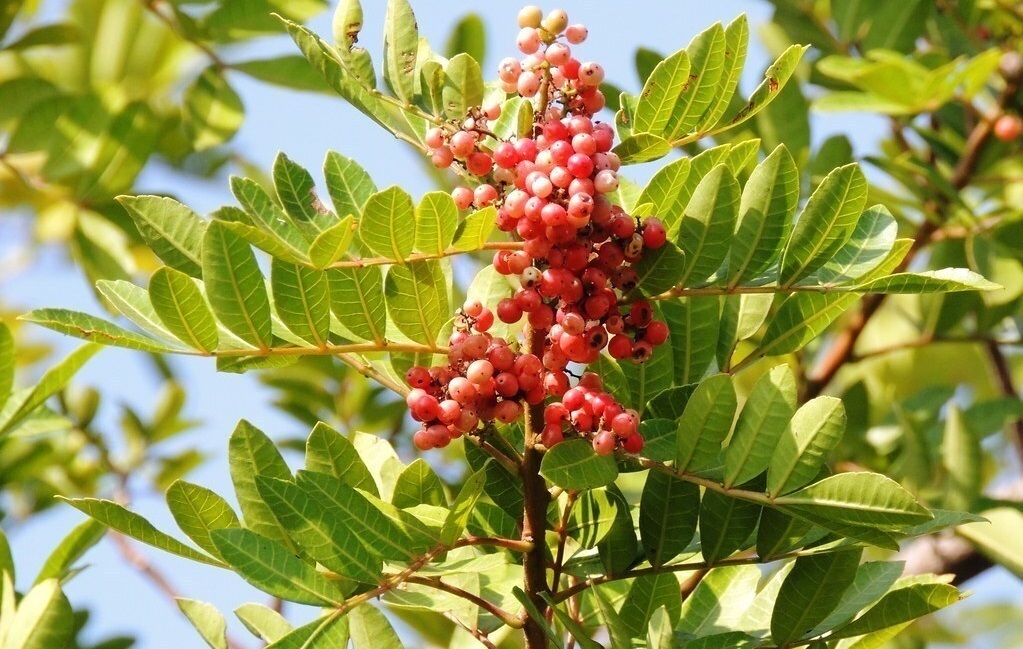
(389, 261)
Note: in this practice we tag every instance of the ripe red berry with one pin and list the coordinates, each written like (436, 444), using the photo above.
(1008, 127)
(604, 443)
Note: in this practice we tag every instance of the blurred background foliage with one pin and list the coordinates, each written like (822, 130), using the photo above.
(97, 96)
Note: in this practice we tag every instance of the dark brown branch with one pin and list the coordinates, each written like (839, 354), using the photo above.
(437, 584)
(1003, 375)
(534, 517)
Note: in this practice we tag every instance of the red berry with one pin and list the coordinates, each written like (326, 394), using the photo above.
(633, 443)
(656, 333)
(604, 443)
(654, 234)
(1008, 127)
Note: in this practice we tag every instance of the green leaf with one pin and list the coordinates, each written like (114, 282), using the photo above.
(207, 620)
(694, 327)
(866, 499)
(371, 630)
(418, 485)
(461, 508)
(346, 26)
(302, 300)
(43, 619)
(642, 147)
(401, 42)
(474, 230)
(736, 43)
(388, 225)
(320, 535)
(707, 58)
(574, 465)
(646, 595)
(297, 192)
(998, 538)
(377, 531)
(333, 243)
(900, 606)
(708, 224)
(263, 622)
(170, 229)
(71, 548)
(468, 36)
(873, 579)
(661, 93)
(348, 184)
(814, 431)
(811, 591)
(768, 201)
(22, 403)
(329, 631)
(962, 457)
(591, 518)
(272, 568)
(436, 220)
(288, 71)
(660, 270)
(250, 454)
(779, 533)
(182, 308)
(235, 286)
(91, 328)
(357, 299)
(574, 628)
(213, 111)
(760, 426)
(719, 601)
(133, 302)
(945, 280)
(328, 451)
(869, 245)
(199, 511)
(705, 423)
(668, 513)
(825, 225)
(131, 524)
(417, 300)
(463, 86)
(775, 78)
(264, 213)
(7, 361)
(726, 524)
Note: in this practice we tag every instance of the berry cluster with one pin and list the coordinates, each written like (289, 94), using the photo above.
(552, 191)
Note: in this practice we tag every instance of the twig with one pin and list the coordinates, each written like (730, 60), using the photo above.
(145, 567)
(436, 583)
(388, 261)
(841, 351)
(1003, 376)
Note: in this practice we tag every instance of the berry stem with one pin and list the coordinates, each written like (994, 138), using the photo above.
(534, 518)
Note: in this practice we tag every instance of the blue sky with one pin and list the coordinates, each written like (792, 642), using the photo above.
(305, 126)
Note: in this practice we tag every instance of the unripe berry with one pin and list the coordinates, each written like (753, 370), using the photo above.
(1008, 127)
(462, 144)
(605, 181)
(448, 411)
(434, 138)
(530, 16)
(555, 22)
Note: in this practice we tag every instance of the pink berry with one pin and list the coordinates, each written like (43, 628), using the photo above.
(591, 73)
(604, 443)
(576, 34)
(528, 40)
